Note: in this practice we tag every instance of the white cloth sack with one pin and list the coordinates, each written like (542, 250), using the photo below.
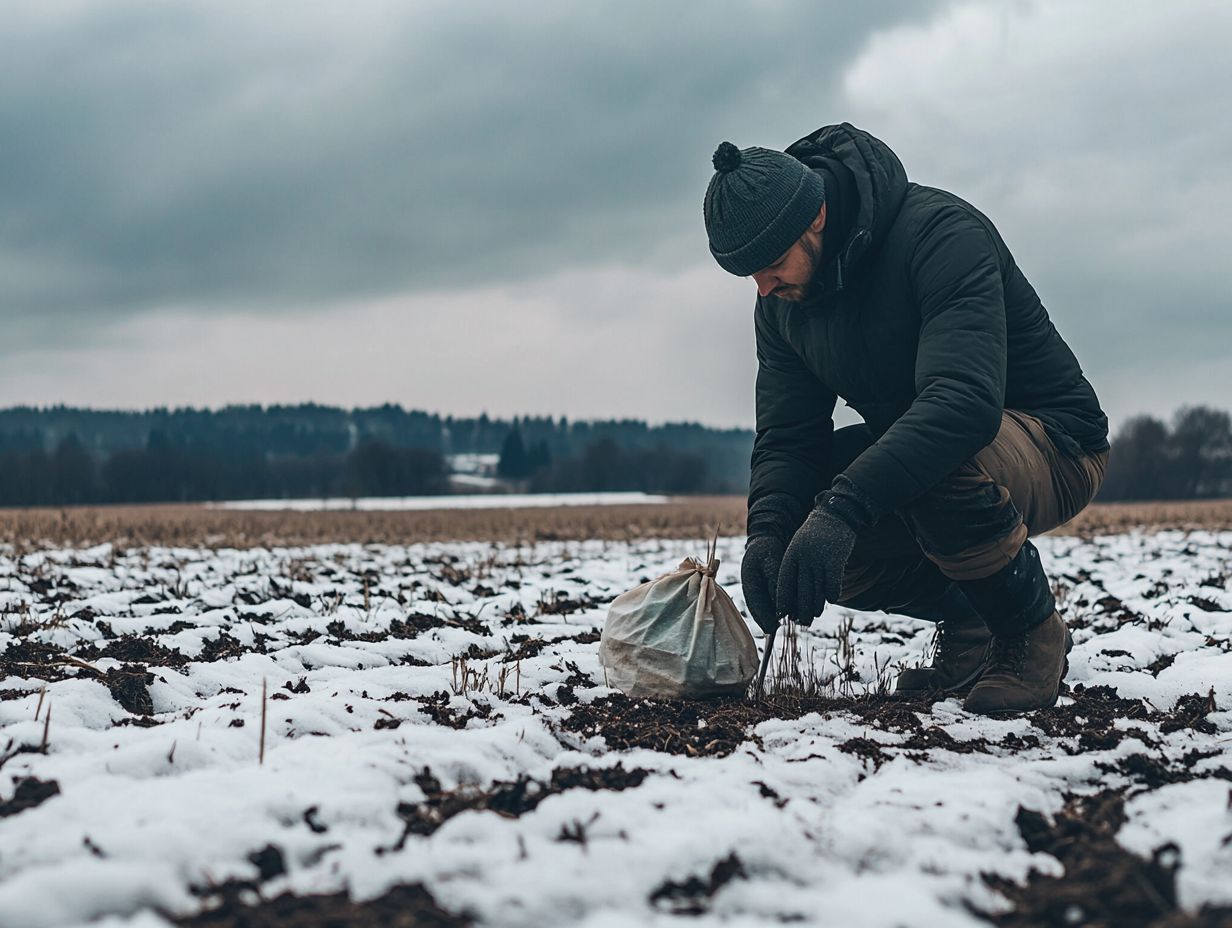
(678, 636)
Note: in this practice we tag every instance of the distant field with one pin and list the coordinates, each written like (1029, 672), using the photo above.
(447, 501)
(680, 517)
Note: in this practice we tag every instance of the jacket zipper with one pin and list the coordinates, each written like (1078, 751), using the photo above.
(845, 256)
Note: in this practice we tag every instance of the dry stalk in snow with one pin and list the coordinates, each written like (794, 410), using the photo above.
(46, 728)
(261, 755)
(465, 679)
(793, 677)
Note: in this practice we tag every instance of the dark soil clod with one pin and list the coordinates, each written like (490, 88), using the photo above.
(406, 906)
(29, 792)
(509, 798)
(1103, 884)
(129, 686)
(672, 726)
(692, 896)
(867, 750)
(269, 862)
(437, 707)
(221, 648)
(310, 819)
(137, 649)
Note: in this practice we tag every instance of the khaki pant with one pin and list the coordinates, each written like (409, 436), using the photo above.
(972, 523)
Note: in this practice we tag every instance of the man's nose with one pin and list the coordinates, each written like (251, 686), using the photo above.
(765, 283)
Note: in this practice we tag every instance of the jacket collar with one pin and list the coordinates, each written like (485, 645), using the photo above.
(875, 180)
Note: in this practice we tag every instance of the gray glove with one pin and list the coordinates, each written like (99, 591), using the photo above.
(812, 569)
(773, 519)
(759, 577)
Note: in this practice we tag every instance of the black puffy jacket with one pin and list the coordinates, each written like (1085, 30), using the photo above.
(924, 325)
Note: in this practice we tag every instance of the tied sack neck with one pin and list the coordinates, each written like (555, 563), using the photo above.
(710, 568)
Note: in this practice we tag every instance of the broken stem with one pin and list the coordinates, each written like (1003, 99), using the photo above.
(46, 728)
(261, 756)
(765, 661)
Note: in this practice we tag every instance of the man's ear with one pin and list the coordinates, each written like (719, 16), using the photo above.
(819, 222)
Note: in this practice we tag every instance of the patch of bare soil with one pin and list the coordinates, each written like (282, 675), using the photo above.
(526, 646)
(406, 906)
(561, 603)
(1103, 884)
(128, 683)
(716, 727)
(130, 687)
(694, 895)
(29, 792)
(511, 798)
(27, 657)
(135, 648)
(221, 647)
(414, 625)
(438, 708)
(1093, 715)
(712, 727)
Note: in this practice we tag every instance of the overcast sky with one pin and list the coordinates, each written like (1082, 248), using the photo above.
(468, 206)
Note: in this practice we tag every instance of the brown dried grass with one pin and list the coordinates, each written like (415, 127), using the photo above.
(192, 525)
(680, 517)
(1186, 515)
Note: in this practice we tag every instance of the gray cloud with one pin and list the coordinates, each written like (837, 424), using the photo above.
(281, 156)
(206, 202)
(1095, 143)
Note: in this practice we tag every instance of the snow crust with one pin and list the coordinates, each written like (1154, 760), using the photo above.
(448, 501)
(144, 813)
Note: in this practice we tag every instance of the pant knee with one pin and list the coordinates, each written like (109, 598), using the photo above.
(967, 524)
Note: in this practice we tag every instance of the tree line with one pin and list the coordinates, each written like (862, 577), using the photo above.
(604, 465)
(164, 471)
(64, 456)
(1149, 460)
(1191, 458)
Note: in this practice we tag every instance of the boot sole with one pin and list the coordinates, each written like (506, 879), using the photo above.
(961, 688)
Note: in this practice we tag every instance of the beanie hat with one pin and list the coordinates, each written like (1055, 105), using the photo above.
(758, 203)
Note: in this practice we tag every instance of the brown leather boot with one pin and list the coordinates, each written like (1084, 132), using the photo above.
(960, 659)
(1025, 670)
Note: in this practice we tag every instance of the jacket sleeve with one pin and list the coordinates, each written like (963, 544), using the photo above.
(955, 274)
(795, 426)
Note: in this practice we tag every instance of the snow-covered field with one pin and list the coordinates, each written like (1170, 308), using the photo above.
(436, 715)
(447, 501)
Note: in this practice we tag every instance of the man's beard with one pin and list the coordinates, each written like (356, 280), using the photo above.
(811, 288)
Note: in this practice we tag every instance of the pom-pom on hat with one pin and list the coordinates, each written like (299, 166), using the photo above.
(758, 203)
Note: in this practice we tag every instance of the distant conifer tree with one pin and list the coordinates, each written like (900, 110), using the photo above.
(514, 462)
(539, 458)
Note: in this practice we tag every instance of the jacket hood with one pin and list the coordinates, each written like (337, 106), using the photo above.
(880, 180)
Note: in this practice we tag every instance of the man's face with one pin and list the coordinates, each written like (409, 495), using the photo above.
(792, 276)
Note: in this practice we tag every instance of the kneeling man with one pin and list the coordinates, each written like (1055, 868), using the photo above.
(979, 429)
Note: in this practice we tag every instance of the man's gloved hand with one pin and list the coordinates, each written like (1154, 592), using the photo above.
(759, 577)
(812, 570)
(773, 518)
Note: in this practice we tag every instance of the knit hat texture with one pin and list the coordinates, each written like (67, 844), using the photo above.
(758, 203)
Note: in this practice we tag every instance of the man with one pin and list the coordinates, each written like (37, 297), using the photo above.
(979, 429)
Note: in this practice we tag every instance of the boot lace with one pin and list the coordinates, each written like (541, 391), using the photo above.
(948, 642)
(1008, 653)
(942, 650)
